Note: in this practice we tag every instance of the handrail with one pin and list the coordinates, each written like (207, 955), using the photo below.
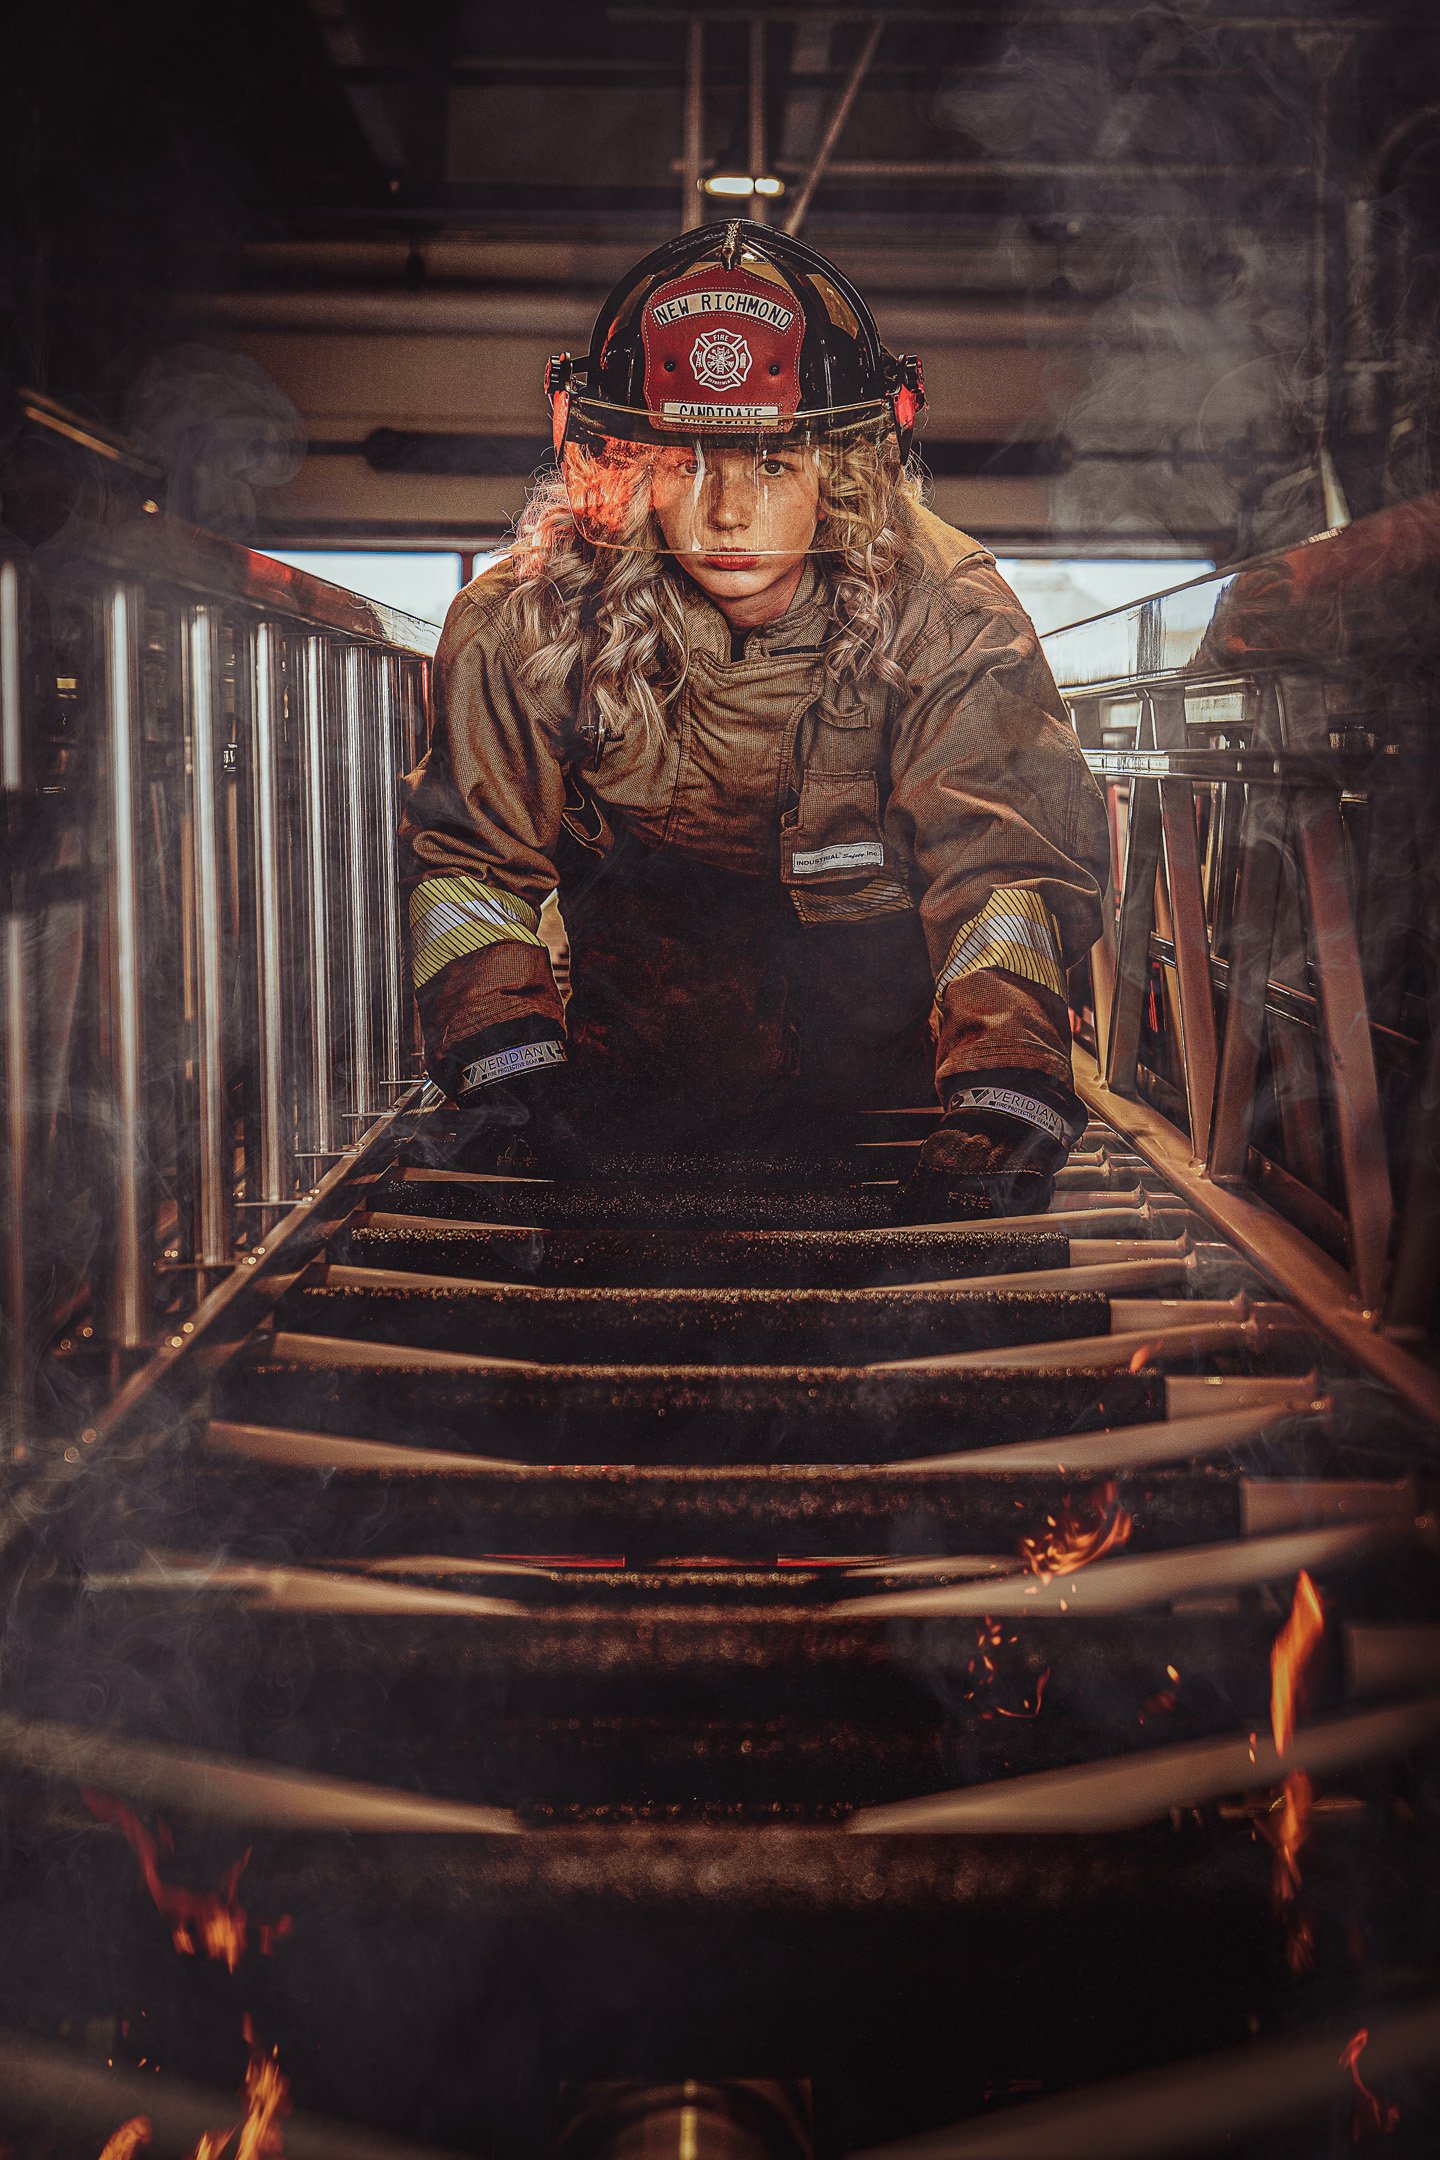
(202, 989)
(1263, 738)
(1354, 594)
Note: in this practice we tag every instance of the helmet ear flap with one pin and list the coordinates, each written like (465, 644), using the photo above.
(559, 374)
(907, 400)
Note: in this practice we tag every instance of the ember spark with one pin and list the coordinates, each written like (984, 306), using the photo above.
(1078, 1534)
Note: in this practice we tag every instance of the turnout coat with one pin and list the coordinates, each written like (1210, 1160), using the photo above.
(768, 906)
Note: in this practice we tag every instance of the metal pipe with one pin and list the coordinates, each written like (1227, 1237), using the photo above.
(359, 837)
(319, 1127)
(759, 207)
(1130, 1447)
(1213, 2102)
(1131, 1581)
(269, 1179)
(691, 209)
(62, 2093)
(387, 819)
(1129, 1348)
(820, 162)
(306, 1589)
(221, 1790)
(127, 1299)
(999, 17)
(16, 1019)
(1008, 170)
(212, 1167)
(1126, 1793)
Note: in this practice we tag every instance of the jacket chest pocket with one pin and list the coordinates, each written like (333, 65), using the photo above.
(834, 839)
(833, 859)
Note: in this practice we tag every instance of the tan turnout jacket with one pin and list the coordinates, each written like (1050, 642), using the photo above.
(763, 900)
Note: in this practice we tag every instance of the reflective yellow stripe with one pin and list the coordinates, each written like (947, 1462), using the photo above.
(454, 915)
(1013, 930)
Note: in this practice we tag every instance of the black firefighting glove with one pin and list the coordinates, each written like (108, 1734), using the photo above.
(511, 1105)
(1003, 1137)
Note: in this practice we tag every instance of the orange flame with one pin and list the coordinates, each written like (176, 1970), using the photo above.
(124, 2143)
(267, 2098)
(1371, 2112)
(1293, 1648)
(1075, 1536)
(1289, 1827)
(214, 1921)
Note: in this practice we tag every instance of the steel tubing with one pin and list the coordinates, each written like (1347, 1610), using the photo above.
(126, 1305)
(18, 1169)
(1129, 1582)
(321, 1134)
(269, 1175)
(360, 846)
(393, 992)
(212, 1159)
(58, 2092)
(221, 1790)
(1201, 2106)
(1265, 1332)
(1128, 1792)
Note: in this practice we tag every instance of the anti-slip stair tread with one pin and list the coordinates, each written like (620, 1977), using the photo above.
(705, 1259)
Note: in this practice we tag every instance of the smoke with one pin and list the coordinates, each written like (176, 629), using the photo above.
(220, 430)
(1176, 200)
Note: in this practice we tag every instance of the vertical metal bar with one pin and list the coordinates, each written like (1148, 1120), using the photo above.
(270, 1180)
(415, 708)
(203, 901)
(691, 209)
(320, 1131)
(387, 813)
(127, 1299)
(1136, 916)
(1252, 933)
(358, 835)
(1340, 983)
(17, 1022)
(759, 207)
(1189, 930)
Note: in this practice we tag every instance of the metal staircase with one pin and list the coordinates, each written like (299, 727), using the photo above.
(694, 1667)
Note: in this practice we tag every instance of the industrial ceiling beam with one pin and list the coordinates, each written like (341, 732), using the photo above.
(1113, 18)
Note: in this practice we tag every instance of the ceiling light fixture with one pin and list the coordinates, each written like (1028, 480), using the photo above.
(743, 184)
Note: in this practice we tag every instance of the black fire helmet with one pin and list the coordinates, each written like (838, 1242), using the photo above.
(733, 327)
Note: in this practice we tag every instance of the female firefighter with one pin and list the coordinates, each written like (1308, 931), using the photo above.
(783, 740)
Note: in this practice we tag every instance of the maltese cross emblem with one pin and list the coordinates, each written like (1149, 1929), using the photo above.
(720, 359)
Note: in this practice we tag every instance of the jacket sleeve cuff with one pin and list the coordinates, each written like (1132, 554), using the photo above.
(499, 1056)
(505, 986)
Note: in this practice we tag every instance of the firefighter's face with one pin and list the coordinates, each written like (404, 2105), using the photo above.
(740, 518)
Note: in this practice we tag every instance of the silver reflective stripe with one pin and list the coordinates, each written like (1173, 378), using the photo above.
(505, 1064)
(846, 855)
(1023, 1107)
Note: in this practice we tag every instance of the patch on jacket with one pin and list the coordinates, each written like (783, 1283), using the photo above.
(845, 855)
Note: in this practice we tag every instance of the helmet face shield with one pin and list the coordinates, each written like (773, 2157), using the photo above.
(728, 498)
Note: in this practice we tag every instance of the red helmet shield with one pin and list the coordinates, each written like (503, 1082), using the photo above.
(722, 349)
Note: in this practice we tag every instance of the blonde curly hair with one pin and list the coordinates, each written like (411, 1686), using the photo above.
(613, 617)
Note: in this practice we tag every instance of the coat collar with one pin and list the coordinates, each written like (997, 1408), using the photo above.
(805, 622)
